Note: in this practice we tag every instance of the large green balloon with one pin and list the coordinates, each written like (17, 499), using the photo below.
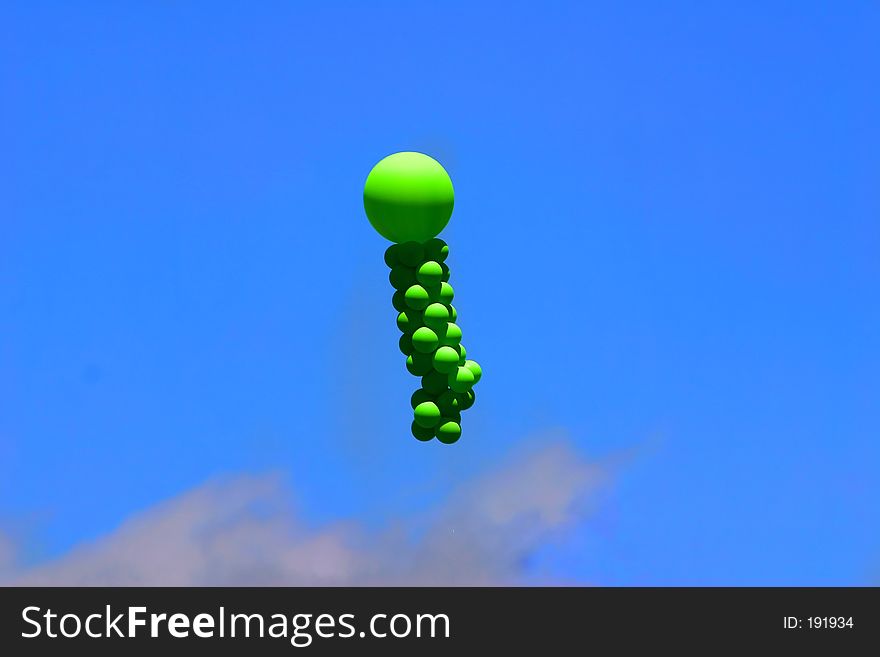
(408, 197)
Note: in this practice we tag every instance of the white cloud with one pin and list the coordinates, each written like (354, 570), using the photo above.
(242, 531)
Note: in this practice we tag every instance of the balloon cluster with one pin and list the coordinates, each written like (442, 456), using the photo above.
(431, 339)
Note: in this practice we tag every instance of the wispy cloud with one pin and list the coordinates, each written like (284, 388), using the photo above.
(243, 531)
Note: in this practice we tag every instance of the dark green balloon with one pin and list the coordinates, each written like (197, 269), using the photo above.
(427, 414)
(446, 359)
(419, 364)
(436, 250)
(399, 301)
(412, 254)
(435, 383)
(409, 320)
(402, 277)
(420, 396)
(445, 276)
(422, 433)
(462, 354)
(425, 340)
(405, 344)
(475, 369)
(429, 273)
(391, 257)
(452, 336)
(461, 379)
(417, 297)
(466, 399)
(449, 403)
(448, 432)
(446, 293)
(453, 313)
(436, 316)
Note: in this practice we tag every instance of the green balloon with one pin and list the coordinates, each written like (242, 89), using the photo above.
(420, 396)
(445, 276)
(436, 317)
(452, 337)
(419, 364)
(391, 257)
(412, 254)
(466, 399)
(449, 432)
(409, 320)
(462, 354)
(461, 379)
(408, 197)
(436, 250)
(402, 277)
(427, 414)
(399, 301)
(405, 344)
(453, 313)
(475, 369)
(417, 297)
(446, 360)
(435, 383)
(449, 403)
(446, 293)
(422, 433)
(424, 340)
(429, 273)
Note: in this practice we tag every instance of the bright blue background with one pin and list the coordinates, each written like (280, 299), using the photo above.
(665, 240)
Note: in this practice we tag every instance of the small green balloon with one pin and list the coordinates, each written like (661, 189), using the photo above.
(419, 364)
(449, 432)
(446, 360)
(466, 399)
(462, 354)
(436, 250)
(429, 273)
(425, 340)
(445, 276)
(436, 316)
(435, 383)
(452, 337)
(391, 257)
(405, 344)
(446, 293)
(448, 403)
(422, 433)
(399, 301)
(453, 313)
(461, 379)
(412, 254)
(427, 414)
(402, 277)
(420, 396)
(408, 321)
(475, 369)
(408, 196)
(417, 297)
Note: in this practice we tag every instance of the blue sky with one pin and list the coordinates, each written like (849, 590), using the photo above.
(665, 242)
